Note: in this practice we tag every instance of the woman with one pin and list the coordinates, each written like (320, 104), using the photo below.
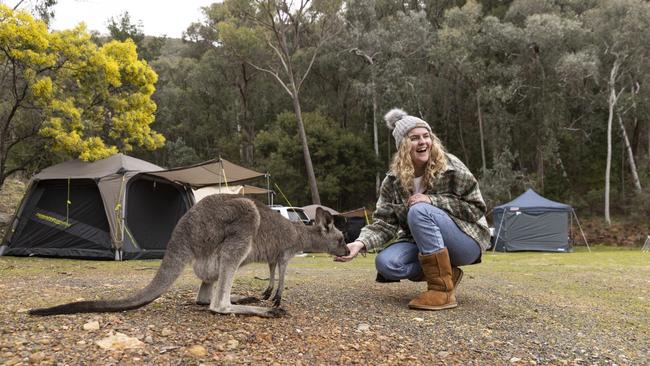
(432, 204)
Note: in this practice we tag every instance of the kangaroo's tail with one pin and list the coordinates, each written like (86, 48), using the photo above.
(176, 257)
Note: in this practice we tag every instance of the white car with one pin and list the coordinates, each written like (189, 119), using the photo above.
(292, 213)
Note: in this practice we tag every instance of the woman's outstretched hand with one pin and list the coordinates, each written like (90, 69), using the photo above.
(354, 247)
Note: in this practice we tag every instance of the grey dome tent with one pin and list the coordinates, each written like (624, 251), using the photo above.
(531, 222)
(119, 207)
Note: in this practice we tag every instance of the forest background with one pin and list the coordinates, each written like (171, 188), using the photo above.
(548, 94)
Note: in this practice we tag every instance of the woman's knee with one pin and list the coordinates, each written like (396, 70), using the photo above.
(423, 211)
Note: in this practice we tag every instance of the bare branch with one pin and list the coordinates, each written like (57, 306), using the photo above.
(274, 74)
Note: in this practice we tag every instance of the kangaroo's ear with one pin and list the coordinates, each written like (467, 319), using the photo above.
(323, 218)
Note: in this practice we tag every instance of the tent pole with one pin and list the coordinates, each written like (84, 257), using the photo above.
(496, 240)
(580, 227)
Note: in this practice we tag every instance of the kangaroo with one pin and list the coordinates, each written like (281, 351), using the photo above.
(218, 235)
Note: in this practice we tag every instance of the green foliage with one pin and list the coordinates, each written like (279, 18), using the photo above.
(61, 89)
(340, 158)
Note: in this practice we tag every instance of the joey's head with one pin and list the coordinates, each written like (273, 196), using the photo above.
(330, 239)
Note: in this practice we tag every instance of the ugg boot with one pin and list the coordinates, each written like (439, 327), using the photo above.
(440, 292)
(456, 276)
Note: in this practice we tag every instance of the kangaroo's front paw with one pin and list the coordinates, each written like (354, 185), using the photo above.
(267, 293)
(276, 301)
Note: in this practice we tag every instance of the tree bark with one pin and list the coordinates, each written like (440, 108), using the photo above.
(311, 177)
(611, 101)
(375, 133)
(480, 129)
(630, 157)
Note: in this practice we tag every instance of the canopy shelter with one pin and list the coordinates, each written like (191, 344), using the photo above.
(210, 173)
(531, 222)
(119, 207)
(201, 193)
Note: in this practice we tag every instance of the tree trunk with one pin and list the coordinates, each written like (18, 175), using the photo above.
(375, 134)
(611, 101)
(480, 129)
(311, 177)
(630, 157)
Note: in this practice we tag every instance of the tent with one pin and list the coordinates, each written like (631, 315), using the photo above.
(119, 207)
(355, 220)
(531, 222)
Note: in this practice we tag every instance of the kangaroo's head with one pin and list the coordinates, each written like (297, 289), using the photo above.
(330, 239)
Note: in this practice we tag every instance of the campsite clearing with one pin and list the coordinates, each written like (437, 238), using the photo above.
(515, 309)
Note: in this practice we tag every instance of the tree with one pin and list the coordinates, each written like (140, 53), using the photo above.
(333, 147)
(293, 35)
(620, 29)
(122, 28)
(61, 90)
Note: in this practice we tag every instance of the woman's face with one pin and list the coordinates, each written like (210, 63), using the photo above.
(420, 140)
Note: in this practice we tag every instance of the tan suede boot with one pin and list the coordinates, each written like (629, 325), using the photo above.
(456, 277)
(440, 292)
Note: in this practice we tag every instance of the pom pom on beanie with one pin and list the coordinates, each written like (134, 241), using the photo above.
(401, 123)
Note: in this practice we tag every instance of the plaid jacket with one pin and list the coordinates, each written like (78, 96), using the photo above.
(456, 192)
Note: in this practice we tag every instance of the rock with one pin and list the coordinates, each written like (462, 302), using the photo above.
(91, 325)
(165, 332)
(515, 360)
(232, 344)
(198, 350)
(363, 327)
(148, 339)
(443, 354)
(119, 341)
(418, 319)
(37, 357)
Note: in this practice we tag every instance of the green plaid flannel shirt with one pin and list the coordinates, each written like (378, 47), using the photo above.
(456, 192)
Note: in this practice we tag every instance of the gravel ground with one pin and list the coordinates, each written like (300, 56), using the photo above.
(534, 314)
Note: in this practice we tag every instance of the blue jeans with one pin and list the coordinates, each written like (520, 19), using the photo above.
(433, 230)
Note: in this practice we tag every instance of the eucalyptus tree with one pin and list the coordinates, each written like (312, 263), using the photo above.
(342, 184)
(235, 68)
(292, 35)
(479, 51)
(621, 29)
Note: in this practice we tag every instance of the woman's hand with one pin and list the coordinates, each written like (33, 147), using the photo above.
(417, 198)
(355, 247)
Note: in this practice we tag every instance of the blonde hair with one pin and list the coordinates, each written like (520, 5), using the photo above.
(402, 165)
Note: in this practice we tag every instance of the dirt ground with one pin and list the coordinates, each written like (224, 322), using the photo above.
(529, 309)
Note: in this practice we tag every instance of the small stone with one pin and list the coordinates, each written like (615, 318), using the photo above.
(363, 327)
(119, 341)
(198, 350)
(91, 325)
(418, 319)
(166, 332)
(232, 344)
(37, 357)
(515, 360)
(443, 354)
(148, 339)
(81, 343)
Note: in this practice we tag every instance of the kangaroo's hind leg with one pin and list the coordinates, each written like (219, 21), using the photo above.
(282, 270)
(205, 293)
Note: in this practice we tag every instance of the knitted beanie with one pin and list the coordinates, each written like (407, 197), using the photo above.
(401, 123)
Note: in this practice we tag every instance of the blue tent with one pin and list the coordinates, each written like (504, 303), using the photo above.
(532, 222)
